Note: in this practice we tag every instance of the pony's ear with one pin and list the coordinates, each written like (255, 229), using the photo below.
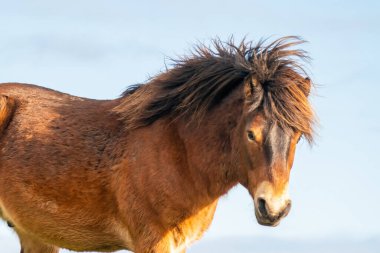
(307, 86)
(250, 86)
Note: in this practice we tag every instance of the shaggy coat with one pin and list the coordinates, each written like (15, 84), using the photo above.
(145, 171)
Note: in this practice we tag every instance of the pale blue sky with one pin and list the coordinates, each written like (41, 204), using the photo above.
(97, 48)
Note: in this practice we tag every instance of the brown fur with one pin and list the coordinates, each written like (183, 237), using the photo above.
(132, 173)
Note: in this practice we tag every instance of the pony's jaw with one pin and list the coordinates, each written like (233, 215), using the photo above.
(270, 206)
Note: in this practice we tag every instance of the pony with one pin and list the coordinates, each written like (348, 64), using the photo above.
(144, 171)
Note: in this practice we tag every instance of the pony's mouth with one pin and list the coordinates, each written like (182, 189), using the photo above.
(266, 219)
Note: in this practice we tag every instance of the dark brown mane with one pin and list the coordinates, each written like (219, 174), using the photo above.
(197, 83)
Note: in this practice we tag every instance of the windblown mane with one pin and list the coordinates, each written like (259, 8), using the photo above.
(197, 83)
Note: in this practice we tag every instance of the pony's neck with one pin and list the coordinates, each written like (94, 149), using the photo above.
(211, 146)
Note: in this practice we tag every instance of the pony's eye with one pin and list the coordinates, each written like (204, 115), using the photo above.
(251, 135)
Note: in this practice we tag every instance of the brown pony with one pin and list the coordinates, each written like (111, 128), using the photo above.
(144, 172)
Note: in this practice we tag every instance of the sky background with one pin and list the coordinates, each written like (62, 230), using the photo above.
(97, 48)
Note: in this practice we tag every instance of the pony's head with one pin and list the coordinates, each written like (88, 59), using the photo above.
(276, 115)
(262, 94)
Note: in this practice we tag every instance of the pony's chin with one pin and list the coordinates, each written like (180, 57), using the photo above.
(266, 221)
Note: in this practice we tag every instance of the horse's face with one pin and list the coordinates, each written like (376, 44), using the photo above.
(269, 156)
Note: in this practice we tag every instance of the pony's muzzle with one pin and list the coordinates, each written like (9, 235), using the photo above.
(267, 215)
(271, 205)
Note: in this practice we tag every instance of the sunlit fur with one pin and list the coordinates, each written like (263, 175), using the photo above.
(7, 107)
(145, 171)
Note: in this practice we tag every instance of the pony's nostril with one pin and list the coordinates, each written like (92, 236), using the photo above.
(262, 206)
